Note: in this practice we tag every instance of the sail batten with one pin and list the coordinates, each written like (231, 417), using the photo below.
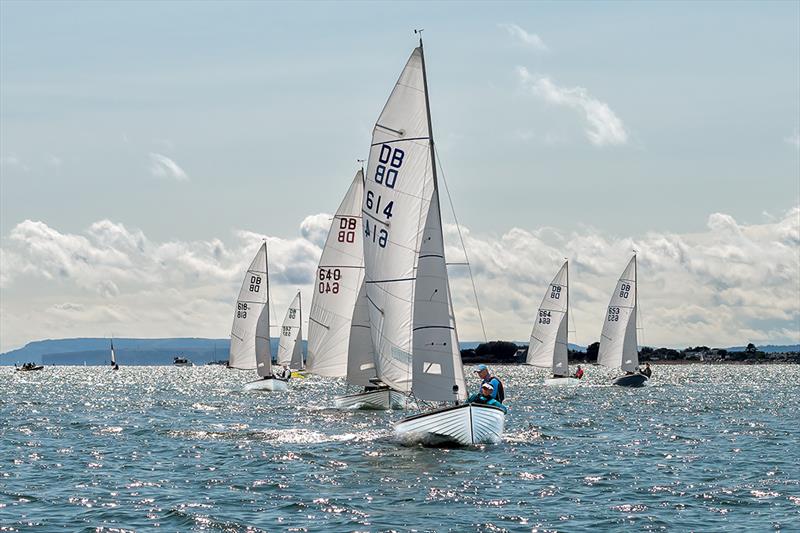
(618, 343)
(250, 330)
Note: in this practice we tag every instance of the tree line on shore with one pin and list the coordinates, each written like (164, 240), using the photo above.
(510, 352)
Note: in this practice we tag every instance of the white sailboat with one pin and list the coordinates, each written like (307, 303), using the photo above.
(114, 365)
(339, 341)
(410, 310)
(548, 346)
(618, 342)
(250, 349)
(290, 344)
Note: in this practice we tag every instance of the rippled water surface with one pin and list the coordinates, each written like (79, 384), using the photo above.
(702, 448)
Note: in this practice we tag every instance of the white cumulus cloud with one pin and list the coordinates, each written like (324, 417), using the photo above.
(729, 284)
(530, 40)
(603, 126)
(162, 166)
(794, 139)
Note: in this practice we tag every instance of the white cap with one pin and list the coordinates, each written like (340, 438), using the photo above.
(488, 386)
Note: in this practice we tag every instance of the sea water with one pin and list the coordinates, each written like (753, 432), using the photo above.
(701, 448)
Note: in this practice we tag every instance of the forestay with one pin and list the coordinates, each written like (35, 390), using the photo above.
(251, 316)
(618, 344)
(437, 370)
(361, 358)
(548, 345)
(397, 193)
(339, 278)
(290, 345)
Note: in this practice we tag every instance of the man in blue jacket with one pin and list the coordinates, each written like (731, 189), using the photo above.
(485, 397)
(498, 391)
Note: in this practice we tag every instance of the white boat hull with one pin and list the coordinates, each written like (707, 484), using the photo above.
(568, 382)
(461, 425)
(268, 384)
(381, 400)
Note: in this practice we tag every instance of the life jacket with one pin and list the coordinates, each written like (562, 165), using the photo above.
(501, 392)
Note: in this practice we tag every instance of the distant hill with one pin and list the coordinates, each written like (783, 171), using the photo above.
(95, 351)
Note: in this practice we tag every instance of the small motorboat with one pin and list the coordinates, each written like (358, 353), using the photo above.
(378, 398)
(631, 380)
(29, 367)
(466, 424)
(181, 361)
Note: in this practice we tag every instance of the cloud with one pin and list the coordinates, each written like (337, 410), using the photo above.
(793, 140)
(162, 166)
(603, 126)
(110, 277)
(530, 40)
(12, 161)
(729, 284)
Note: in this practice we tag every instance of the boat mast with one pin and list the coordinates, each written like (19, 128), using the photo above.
(430, 126)
(566, 317)
(435, 195)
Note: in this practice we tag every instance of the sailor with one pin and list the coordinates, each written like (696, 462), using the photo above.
(485, 397)
(647, 370)
(285, 373)
(498, 392)
(579, 373)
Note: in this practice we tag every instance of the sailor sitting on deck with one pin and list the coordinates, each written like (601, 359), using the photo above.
(579, 373)
(285, 373)
(485, 397)
(498, 391)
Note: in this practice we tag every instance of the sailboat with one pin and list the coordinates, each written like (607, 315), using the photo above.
(618, 343)
(410, 310)
(339, 341)
(114, 365)
(290, 343)
(548, 346)
(250, 349)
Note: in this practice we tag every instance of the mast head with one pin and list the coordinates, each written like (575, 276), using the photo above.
(419, 32)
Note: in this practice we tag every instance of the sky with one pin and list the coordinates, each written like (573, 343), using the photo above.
(146, 148)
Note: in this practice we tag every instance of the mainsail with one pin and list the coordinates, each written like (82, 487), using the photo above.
(405, 270)
(113, 355)
(339, 278)
(548, 345)
(618, 344)
(290, 346)
(397, 194)
(251, 319)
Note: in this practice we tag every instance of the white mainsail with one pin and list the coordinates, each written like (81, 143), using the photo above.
(340, 276)
(548, 345)
(290, 346)
(397, 194)
(618, 344)
(251, 318)
(361, 358)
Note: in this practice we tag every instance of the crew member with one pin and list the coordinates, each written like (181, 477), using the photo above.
(485, 397)
(498, 391)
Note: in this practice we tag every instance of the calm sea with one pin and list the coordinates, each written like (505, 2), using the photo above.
(704, 448)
